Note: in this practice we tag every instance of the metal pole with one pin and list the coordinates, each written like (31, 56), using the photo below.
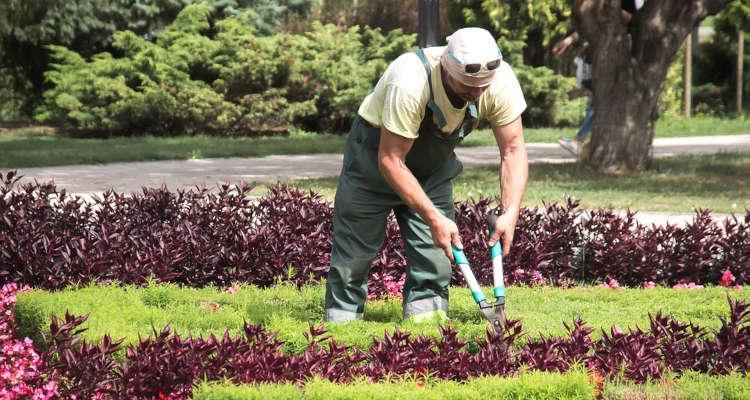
(429, 23)
(740, 57)
(688, 77)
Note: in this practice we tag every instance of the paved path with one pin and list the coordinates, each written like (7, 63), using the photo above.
(130, 177)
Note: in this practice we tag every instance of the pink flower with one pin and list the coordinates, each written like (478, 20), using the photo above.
(536, 278)
(648, 285)
(727, 279)
(737, 287)
(19, 362)
(234, 288)
(687, 286)
(611, 284)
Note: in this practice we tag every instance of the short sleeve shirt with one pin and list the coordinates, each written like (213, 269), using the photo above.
(399, 100)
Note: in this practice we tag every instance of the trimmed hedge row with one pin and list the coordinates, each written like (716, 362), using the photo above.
(690, 386)
(531, 385)
(169, 365)
(131, 312)
(49, 239)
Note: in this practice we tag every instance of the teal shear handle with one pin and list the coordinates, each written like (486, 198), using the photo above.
(496, 254)
(495, 311)
(471, 280)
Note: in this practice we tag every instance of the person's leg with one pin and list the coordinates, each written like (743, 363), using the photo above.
(575, 145)
(588, 119)
(359, 221)
(428, 271)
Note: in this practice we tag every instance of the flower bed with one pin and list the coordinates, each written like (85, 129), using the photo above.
(20, 365)
(169, 364)
(49, 239)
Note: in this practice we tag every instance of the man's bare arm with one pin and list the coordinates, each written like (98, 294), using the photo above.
(392, 163)
(514, 172)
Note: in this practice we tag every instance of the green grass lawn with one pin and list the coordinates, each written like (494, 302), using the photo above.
(30, 147)
(675, 184)
(126, 312)
(665, 127)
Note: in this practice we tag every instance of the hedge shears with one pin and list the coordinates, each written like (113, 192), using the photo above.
(495, 311)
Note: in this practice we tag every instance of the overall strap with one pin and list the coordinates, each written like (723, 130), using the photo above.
(431, 103)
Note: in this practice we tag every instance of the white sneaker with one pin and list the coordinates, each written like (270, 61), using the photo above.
(571, 145)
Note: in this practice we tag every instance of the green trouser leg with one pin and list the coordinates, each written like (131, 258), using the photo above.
(359, 222)
(363, 202)
(428, 269)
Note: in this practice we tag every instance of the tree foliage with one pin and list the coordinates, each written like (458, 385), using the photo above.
(523, 27)
(716, 61)
(737, 14)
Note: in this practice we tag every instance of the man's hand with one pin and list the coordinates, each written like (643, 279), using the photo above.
(444, 234)
(392, 163)
(505, 227)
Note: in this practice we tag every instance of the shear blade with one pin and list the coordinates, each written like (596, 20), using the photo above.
(495, 320)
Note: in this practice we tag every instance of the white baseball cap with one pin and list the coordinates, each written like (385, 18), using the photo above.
(472, 56)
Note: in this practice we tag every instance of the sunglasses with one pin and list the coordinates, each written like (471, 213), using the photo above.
(473, 68)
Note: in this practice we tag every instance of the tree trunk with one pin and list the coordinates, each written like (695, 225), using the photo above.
(628, 73)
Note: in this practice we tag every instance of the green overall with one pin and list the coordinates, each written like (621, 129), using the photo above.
(363, 201)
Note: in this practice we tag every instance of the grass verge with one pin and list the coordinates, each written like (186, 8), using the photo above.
(666, 127)
(26, 148)
(127, 311)
(675, 184)
(37, 147)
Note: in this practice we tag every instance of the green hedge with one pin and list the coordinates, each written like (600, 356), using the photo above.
(127, 311)
(690, 386)
(227, 79)
(527, 386)
(221, 79)
(532, 385)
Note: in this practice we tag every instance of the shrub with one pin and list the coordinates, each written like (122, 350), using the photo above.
(49, 239)
(223, 79)
(547, 96)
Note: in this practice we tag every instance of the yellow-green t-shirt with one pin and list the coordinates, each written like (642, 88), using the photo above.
(400, 97)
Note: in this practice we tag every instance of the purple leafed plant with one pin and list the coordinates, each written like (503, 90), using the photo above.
(50, 239)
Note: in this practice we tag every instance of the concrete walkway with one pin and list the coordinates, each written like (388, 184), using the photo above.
(130, 177)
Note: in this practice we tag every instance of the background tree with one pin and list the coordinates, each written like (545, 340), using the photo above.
(525, 29)
(629, 69)
(735, 18)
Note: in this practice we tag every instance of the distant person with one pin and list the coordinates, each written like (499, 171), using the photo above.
(583, 78)
(399, 157)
